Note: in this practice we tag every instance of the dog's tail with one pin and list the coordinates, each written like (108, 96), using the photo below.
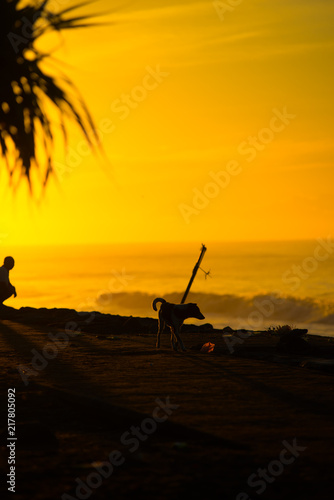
(154, 305)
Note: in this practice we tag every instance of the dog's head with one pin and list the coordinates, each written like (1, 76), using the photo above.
(194, 312)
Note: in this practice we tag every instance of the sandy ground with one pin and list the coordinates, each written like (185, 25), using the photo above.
(247, 425)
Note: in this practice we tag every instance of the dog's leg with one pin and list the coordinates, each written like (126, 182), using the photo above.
(161, 326)
(179, 340)
(173, 339)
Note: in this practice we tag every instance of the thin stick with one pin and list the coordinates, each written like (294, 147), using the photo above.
(198, 263)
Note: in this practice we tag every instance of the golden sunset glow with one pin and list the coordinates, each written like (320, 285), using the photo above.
(216, 124)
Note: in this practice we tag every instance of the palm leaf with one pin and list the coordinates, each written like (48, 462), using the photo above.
(25, 87)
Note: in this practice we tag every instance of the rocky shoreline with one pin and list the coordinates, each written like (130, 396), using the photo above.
(281, 345)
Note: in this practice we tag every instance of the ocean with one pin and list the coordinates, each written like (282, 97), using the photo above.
(250, 285)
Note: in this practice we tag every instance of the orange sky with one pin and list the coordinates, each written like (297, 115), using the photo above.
(217, 125)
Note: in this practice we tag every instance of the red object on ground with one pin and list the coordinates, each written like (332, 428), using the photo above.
(208, 347)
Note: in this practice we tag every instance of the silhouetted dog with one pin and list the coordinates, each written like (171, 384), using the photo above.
(173, 315)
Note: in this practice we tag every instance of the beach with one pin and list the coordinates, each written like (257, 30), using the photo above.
(180, 154)
(102, 413)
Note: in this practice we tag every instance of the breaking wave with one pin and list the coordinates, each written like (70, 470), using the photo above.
(269, 307)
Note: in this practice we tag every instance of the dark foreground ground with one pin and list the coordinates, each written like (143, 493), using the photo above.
(244, 422)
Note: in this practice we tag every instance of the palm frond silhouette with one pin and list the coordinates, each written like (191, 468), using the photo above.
(27, 91)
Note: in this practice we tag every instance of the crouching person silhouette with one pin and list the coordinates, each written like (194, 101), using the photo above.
(6, 288)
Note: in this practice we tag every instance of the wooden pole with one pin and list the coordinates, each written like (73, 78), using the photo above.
(198, 263)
